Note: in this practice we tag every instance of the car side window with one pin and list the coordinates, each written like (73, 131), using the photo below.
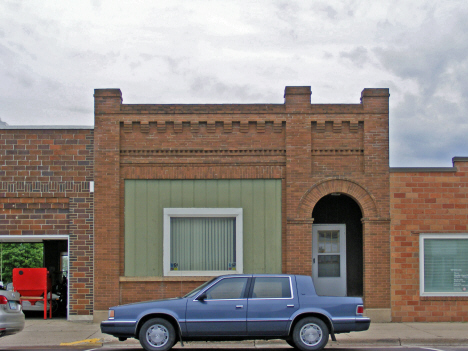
(271, 288)
(228, 288)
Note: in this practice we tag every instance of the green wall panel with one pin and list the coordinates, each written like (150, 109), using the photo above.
(145, 201)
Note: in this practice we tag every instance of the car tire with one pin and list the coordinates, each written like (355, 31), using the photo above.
(310, 334)
(157, 334)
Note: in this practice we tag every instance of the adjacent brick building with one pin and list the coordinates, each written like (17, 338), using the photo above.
(293, 188)
(45, 196)
(430, 204)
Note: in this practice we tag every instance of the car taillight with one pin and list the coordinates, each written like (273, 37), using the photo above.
(360, 309)
(111, 314)
(3, 300)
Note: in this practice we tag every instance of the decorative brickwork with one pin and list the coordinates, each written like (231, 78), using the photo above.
(44, 190)
(345, 186)
(425, 201)
(337, 155)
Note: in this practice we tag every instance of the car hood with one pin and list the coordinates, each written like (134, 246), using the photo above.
(134, 311)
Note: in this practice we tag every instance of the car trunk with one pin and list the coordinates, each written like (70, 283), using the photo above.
(10, 301)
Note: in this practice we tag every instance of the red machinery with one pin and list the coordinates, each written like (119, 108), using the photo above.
(34, 284)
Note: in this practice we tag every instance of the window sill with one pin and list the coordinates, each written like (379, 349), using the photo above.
(444, 298)
(165, 279)
(200, 273)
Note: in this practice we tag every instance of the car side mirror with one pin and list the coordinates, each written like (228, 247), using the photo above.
(202, 297)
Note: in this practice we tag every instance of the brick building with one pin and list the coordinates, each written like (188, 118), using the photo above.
(274, 164)
(45, 196)
(429, 239)
(294, 188)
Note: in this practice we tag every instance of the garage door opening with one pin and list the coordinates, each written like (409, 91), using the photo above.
(37, 251)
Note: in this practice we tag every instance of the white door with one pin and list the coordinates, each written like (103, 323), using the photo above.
(329, 259)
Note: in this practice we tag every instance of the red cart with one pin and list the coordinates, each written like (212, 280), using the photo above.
(34, 284)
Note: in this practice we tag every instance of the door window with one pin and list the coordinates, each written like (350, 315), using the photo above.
(271, 288)
(328, 253)
(227, 289)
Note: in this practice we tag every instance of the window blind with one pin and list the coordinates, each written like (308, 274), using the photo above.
(203, 243)
(445, 265)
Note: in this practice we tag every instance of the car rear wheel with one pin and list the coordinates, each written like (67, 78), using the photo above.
(310, 334)
(157, 334)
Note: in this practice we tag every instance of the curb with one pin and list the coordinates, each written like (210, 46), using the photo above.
(278, 343)
(380, 342)
(402, 342)
(90, 342)
(438, 341)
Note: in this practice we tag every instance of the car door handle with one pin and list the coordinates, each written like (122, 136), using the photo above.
(239, 306)
(290, 305)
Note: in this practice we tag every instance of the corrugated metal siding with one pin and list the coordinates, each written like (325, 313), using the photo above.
(145, 200)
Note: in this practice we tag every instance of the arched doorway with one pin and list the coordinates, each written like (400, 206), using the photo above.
(340, 209)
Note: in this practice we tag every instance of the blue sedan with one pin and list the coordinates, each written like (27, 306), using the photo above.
(240, 307)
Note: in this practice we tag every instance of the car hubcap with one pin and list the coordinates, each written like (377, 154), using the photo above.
(311, 334)
(157, 335)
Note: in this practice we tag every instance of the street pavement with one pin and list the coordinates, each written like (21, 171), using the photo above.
(55, 332)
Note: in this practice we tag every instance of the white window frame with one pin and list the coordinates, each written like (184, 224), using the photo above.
(202, 212)
(423, 237)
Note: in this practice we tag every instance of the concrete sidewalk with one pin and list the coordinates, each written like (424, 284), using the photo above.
(53, 332)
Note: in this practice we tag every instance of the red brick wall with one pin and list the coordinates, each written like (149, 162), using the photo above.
(425, 201)
(298, 142)
(166, 146)
(343, 149)
(28, 216)
(151, 289)
(44, 190)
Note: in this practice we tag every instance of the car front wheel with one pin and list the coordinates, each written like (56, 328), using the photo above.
(157, 334)
(310, 334)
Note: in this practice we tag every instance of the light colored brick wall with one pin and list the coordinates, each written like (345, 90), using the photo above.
(425, 202)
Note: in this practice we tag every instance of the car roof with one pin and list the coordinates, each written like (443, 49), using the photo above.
(257, 275)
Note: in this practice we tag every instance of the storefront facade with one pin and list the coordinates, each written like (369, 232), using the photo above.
(264, 167)
(156, 199)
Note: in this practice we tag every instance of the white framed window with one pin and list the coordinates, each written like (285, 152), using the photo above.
(443, 262)
(202, 241)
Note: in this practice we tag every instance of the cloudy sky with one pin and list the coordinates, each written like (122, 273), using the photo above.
(53, 54)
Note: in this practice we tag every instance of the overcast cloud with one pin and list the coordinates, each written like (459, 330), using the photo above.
(53, 54)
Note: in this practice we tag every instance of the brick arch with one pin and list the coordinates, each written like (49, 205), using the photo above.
(348, 187)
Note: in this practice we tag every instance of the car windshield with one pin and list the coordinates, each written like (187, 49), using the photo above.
(196, 290)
